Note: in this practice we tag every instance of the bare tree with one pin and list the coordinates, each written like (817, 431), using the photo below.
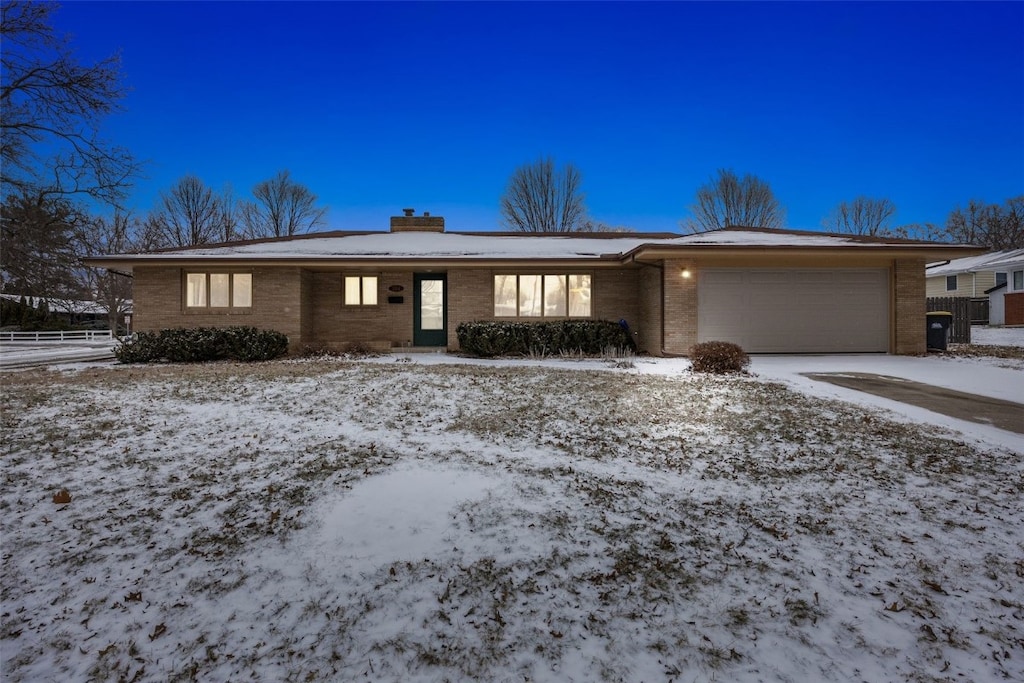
(52, 108)
(102, 236)
(730, 200)
(542, 198)
(930, 232)
(995, 226)
(862, 216)
(189, 214)
(282, 208)
(229, 215)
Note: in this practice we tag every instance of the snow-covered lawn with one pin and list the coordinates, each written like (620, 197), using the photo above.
(997, 336)
(412, 520)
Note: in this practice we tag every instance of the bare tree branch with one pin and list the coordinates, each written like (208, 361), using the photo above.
(541, 198)
(729, 200)
(862, 216)
(998, 227)
(190, 214)
(282, 208)
(51, 102)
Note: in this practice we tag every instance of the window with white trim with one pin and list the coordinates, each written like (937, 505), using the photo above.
(1018, 280)
(218, 290)
(951, 283)
(360, 290)
(542, 296)
(1000, 279)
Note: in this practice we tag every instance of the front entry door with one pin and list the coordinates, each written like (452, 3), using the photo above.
(430, 303)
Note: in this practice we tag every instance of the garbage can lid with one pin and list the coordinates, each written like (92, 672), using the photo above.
(938, 313)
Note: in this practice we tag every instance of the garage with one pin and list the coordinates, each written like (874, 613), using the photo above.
(809, 310)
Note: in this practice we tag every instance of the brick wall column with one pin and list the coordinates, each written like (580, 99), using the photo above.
(680, 307)
(909, 307)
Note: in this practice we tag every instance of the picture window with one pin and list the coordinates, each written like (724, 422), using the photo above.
(218, 290)
(542, 296)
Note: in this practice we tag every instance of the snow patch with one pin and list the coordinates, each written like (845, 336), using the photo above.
(403, 514)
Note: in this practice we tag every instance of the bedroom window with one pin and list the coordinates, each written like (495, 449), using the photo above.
(537, 296)
(360, 290)
(951, 283)
(218, 290)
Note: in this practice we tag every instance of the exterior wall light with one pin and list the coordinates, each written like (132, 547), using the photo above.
(686, 273)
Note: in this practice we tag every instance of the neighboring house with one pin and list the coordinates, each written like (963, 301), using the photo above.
(76, 311)
(767, 290)
(968, 277)
(1006, 296)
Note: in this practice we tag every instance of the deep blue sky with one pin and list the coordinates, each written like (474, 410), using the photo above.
(379, 106)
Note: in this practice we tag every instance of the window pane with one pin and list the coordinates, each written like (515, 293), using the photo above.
(504, 295)
(1018, 279)
(351, 291)
(370, 290)
(579, 296)
(241, 293)
(951, 283)
(530, 302)
(431, 305)
(195, 290)
(1000, 278)
(554, 295)
(219, 292)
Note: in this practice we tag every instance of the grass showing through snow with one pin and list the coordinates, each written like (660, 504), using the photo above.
(307, 521)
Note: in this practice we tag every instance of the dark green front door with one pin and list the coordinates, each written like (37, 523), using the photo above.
(430, 316)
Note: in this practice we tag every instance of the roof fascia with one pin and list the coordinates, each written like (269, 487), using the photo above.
(928, 252)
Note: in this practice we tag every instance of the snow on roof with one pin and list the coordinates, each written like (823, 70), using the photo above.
(462, 245)
(973, 264)
(1013, 260)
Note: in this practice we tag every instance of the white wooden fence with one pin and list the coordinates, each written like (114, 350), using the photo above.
(57, 336)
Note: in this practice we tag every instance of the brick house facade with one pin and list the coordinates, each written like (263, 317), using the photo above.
(306, 286)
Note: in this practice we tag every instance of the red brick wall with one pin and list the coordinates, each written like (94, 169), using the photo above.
(1014, 308)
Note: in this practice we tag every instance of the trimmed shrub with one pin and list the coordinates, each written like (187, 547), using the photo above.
(143, 347)
(718, 357)
(199, 344)
(515, 338)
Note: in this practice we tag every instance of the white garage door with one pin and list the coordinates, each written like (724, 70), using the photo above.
(795, 310)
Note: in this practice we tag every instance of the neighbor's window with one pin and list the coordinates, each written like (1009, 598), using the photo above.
(535, 296)
(218, 290)
(1018, 280)
(1000, 279)
(360, 290)
(951, 283)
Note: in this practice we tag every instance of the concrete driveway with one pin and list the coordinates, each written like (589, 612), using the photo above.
(962, 405)
(979, 397)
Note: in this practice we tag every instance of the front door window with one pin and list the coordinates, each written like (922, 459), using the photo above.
(430, 321)
(432, 304)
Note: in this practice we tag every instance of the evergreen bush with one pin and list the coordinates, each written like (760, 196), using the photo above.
(200, 344)
(519, 338)
(718, 357)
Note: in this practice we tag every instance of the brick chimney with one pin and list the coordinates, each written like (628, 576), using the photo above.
(410, 222)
